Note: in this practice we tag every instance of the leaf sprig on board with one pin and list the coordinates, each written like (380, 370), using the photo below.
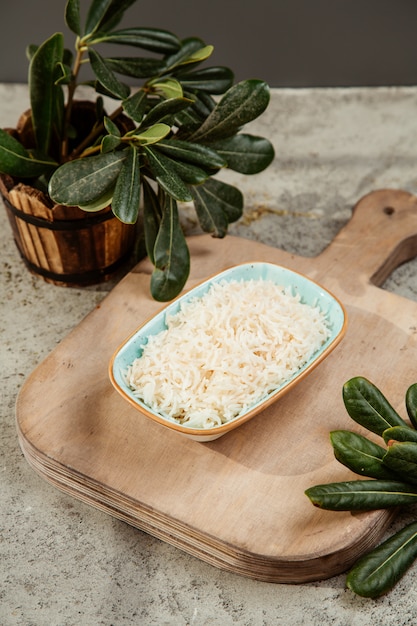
(186, 125)
(391, 471)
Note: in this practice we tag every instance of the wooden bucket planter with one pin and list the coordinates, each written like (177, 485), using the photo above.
(64, 245)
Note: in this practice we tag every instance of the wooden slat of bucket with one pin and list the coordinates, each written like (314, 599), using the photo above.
(41, 243)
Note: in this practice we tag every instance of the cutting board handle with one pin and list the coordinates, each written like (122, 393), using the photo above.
(381, 235)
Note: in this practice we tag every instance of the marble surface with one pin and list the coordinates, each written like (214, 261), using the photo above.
(65, 563)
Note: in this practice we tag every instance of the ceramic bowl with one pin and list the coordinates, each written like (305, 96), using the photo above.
(311, 293)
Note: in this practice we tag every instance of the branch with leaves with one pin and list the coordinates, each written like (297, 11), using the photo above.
(186, 125)
(392, 480)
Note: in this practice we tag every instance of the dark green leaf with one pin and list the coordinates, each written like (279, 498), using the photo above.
(103, 15)
(216, 195)
(15, 160)
(360, 455)
(135, 67)
(190, 174)
(246, 154)
(30, 51)
(188, 47)
(379, 570)
(214, 80)
(111, 127)
(411, 404)
(135, 106)
(166, 108)
(64, 74)
(203, 156)
(46, 98)
(400, 433)
(114, 14)
(368, 407)
(210, 215)
(152, 215)
(166, 176)
(110, 142)
(191, 119)
(241, 104)
(85, 180)
(106, 77)
(204, 103)
(401, 457)
(72, 16)
(152, 39)
(362, 495)
(125, 203)
(100, 203)
(171, 254)
(95, 15)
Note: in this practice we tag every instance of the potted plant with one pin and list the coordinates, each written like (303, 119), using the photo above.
(161, 146)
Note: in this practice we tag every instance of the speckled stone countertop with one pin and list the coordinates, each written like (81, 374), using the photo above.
(64, 563)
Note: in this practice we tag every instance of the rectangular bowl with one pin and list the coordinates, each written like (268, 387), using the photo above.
(311, 293)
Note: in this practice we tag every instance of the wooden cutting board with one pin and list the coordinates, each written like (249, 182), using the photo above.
(237, 502)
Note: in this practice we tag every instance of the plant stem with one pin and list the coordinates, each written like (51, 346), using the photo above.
(68, 109)
(92, 136)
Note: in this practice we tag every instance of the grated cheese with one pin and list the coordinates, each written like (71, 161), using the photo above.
(225, 351)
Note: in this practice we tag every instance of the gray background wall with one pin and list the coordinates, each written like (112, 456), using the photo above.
(291, 43)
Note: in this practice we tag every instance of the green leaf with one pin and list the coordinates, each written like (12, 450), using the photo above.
(104, 15)
(368, 407)
(400, 433)
(241, 104)
(362, 495)
(216, 196)
(72, 16)
(114, 14)
(153, 134)
(204, 156)
(110, 142)
(411, 403)
(15, 160)
(166, 176)
(111, 127)
(214, 80)
(379, 570)
(199, 55)
(166, 108)
(171, 254)
(30, 51)
(360, 455)
(83, 181)
(188, 47)
(152, 216)
(191, 119)
(209, 212)
(135, 67)
(106, 77)
(100, 203)
(65, 74)
(246, 154)
(152, 39)
(125, 203)
(135, 106)
(46, 98)
(167, 88)
(96, 15)
(190, 174)
(402, 458)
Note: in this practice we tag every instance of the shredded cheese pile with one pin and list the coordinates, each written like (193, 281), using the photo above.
(225, 351)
